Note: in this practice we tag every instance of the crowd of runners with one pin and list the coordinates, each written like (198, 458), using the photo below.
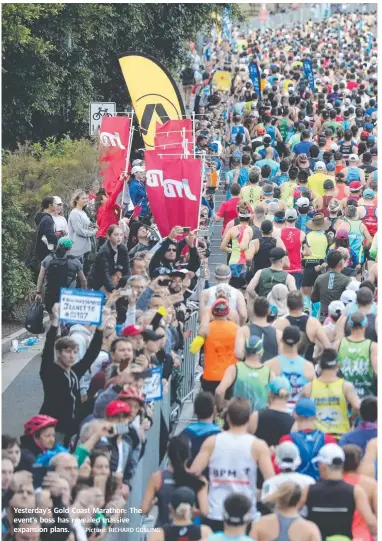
(284, 442)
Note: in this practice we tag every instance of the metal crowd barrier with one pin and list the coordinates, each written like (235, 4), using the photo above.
(134, 521)
(188, 364)
(137, 524)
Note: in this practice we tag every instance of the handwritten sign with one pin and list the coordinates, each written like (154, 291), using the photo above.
(153, 385)
(81, 306)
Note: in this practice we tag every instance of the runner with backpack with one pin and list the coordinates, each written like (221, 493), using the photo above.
(308, 439)
(57, 271)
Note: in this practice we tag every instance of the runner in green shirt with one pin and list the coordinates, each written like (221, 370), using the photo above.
(357, 356)
(248, 379)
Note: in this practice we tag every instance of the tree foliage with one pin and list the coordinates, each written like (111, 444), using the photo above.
(52, 168)
(17, 280)
(29, 174)
(59, 57)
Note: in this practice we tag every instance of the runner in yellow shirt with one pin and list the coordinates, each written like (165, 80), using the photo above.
(316, 181)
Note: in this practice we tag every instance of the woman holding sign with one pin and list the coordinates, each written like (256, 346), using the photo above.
(112, 256)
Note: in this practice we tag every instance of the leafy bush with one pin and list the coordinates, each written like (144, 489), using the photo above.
(30, 173)
(52, 168)
(17, 280)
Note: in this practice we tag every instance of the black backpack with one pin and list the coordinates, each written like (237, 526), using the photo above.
(34, 318)
(57, 276)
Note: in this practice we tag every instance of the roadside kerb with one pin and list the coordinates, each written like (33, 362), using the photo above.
(18, 335)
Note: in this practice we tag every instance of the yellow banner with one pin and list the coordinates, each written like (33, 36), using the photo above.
(222, 80)
(154, 93)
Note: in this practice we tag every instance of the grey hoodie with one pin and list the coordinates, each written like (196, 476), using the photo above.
(79, 232)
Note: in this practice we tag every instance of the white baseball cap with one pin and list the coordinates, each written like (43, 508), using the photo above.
(290, 215)
(137, 169)
(58, 200)
(353, 286)
(336, 307)
(353, 158)
(320, 166)
(330, 454)
(273, 206)
(303, 202)
(348, 297)
(288, 456)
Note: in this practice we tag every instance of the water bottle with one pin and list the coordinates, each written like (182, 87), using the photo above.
(21, 347)
(31, 341)
(14, 346)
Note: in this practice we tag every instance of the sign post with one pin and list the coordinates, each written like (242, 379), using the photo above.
(96, 112)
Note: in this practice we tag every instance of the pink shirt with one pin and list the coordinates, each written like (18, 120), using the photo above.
(228, 211)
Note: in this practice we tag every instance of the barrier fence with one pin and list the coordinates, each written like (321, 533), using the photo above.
(135, 526)
(189, 364)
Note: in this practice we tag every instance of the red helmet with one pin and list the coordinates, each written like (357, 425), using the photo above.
(132, 392)
(38, 422)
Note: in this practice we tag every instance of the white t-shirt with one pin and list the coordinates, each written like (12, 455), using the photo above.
(103, 357)
(272, 484)
(61, 224)
(231, 470)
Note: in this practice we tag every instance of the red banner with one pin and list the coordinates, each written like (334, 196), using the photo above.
(114, 142)
(174, 189)
(170, 136)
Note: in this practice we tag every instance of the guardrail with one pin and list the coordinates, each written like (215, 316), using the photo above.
(134, 525)
(188, 365)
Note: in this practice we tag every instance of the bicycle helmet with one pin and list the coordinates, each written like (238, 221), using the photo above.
(132, 392)
(38, 422)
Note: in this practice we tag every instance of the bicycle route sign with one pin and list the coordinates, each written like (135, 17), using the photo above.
(96, 112)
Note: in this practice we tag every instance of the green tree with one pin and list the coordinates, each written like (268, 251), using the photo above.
(59, 57)
(17, 279)
(29, 174)
(55, 167)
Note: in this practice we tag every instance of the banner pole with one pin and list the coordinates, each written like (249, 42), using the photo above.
(184, 143)
(193, 131)
(201, 191)
(131, 132)
(201, 282)
(130, 142)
